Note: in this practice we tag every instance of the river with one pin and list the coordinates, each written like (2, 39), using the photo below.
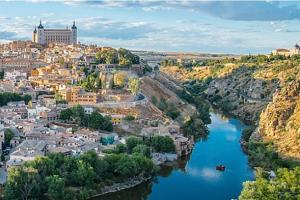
(196, 178)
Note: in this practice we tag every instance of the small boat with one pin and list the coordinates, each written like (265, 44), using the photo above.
(220, 167)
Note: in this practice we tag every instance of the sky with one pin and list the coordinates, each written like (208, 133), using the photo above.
(238, 27)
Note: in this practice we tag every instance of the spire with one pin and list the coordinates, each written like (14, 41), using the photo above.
(74, 26)
(34, 29)
(40, 26)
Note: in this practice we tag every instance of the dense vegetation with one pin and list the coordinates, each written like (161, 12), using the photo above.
(7, 97)
(68, 177)
(285, 186)
(161, 144)
(92, 82)
(122, 57)
(94, 120)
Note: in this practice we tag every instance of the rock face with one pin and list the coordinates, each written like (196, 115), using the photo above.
(163, 89)
(280, 121)
(240, 94)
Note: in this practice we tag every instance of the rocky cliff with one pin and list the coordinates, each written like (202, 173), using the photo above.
(240, 94)
(259, 89)
(280, 121)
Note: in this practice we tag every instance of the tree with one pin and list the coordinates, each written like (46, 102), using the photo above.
(9, 97)
(127, 58)
(1, 74)
(107, 56)
(133, 85)
(121, 148)
(129, 118)
(66, 114)
(119, 79)
(132, 142)
(154, 100)
(78, 113)
(286, 185)
(163, 144)
(8, 136)
(142, 149)
(22, 183)
(56, 187)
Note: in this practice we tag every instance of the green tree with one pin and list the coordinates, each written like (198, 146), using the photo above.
(56, 187)
(8, 136)
(286, 185)
(132, 142)
(107, 56)
(22, 183)
(66, 114)
(133, 85)
(78, 114)
(142, 149)
(162, 144)
(121, 148)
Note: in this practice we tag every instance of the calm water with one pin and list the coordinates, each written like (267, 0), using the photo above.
(196, 177)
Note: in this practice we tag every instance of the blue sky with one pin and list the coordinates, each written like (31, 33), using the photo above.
(191, 26)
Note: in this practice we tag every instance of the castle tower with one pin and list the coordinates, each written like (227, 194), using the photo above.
(41, 34)
(34, 35)
(74, 34)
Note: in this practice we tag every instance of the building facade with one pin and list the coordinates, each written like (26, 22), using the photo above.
(45, 36)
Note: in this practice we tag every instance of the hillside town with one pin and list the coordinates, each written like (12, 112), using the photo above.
(43, 81)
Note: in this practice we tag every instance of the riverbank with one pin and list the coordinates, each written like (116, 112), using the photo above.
(131, 183)
(195, 177)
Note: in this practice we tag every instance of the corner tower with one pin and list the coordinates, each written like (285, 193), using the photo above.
(74, 34)
(40, 38)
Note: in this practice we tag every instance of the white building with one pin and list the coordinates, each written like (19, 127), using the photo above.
(46, 36)
(15, 75)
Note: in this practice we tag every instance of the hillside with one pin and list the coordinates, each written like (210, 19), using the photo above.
(280, 121)
(261, 90)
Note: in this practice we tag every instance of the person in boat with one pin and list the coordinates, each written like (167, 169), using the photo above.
(220, 167)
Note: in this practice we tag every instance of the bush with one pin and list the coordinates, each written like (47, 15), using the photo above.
(247, 133)
(129, 118)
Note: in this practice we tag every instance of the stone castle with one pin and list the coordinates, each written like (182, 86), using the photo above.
(45, 36)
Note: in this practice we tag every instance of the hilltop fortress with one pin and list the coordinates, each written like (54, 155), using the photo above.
(45, 36)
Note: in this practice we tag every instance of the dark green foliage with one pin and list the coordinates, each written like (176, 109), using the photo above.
(127, 58)
(263, 155)
(194, 126)
(8, 135)
(129, 118)
(247, 133)
(9, 97)
(147, 68)
(94, 120)
(154, 100)
(66, 114)
(142, 149)
(1, 74)
(69, 177)
(132, 142)
(168, 108)
(121, 148)
(162, 144)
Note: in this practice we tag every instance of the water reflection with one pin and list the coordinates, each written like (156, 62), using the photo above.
(195, 177)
